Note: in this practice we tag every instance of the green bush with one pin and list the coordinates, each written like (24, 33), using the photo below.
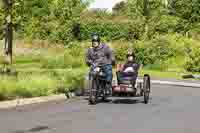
(35, 85)
(26, 59)
(195, 31)
(51, 62)
(112, 29)
(73, 57)
(154, 51)
(27, 85)
(164, 24)
(72, 62)
(7, 88)
(46, 73)
(48, 19)
(193, 61)
(74, 79)
(43, 83)
(120, 49)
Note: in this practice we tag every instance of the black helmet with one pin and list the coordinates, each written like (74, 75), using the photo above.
(95, 37)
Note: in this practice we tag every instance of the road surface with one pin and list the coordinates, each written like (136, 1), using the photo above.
(172, 109)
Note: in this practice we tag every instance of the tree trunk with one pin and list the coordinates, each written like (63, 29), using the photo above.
(146, 14)
(8, 32)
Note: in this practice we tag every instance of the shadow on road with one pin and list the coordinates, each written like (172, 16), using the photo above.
(35, 129)
(119, 101)
(126, 101)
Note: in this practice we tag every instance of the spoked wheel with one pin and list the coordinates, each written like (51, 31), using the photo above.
(103, 92)
(93, 93)
(92, 99)
(146, 88)
(103, 99)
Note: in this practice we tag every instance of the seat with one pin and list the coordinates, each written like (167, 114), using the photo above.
(125, 80)
(130, 79)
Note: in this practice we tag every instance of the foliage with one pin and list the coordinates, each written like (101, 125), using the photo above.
(41, 84)
(46, 19)
(74, 79)
(163, 24)
(111, 29)
(1, 19)
(186, 9)
(120, 8)
(45, 74)
(120, 49)
(57, 20)
(188, 12)
(157, 50)
(193, 61)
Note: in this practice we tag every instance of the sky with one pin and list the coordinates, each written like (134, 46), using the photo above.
(108, 4)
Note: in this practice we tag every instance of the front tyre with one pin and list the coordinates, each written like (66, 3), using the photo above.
(93, 93)
(146, 88)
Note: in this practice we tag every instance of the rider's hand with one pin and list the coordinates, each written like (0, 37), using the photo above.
(97, 69)
(94, 65)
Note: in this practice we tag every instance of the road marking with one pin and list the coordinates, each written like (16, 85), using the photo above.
(179, 83)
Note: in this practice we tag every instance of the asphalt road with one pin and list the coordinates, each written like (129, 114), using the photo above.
(172, 109)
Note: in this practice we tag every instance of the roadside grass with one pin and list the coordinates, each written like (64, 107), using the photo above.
(160, 74)
(171, 69)
(42, 72)
(34, 83)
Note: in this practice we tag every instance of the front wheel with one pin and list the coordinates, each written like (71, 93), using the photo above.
(93, 93)
(104, 90)
(146, 88)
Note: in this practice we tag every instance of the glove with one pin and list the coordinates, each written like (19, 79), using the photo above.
(94, 65)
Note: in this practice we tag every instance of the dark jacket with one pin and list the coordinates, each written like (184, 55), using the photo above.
(100, 56)
(134, 65)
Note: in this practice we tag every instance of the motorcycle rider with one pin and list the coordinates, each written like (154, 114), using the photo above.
(102, 56)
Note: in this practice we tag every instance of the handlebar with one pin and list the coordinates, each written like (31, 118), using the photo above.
(95, 65)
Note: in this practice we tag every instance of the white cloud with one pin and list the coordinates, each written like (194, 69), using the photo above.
(104, 4)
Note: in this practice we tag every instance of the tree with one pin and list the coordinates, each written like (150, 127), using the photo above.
(67, 13)
(189, 13)
(8, 31)
(50, 19)
(135, 8)
(119, 8)
(1, 20)
(186, 9)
